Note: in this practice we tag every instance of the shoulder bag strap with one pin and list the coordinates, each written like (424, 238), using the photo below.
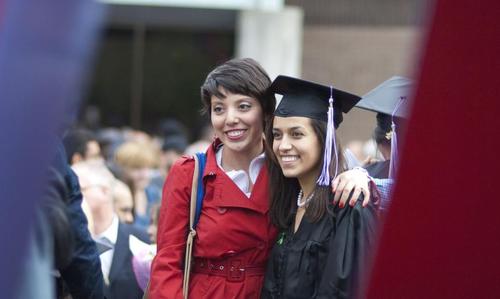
(192, 231)
(200, 190)
(196, 202)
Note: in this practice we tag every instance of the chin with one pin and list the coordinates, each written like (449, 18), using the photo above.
(289, 173)
(235, 147)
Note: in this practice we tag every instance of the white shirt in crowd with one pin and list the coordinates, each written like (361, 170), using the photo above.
(108, 237)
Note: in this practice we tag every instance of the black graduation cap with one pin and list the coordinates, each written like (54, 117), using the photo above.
(309, 99)
(316, 101)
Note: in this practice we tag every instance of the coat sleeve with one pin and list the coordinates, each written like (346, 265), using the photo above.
(167, 267)
(350, 252)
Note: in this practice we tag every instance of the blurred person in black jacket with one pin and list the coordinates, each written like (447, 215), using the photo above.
(82, 274)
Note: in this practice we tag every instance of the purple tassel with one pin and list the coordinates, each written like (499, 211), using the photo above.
(393, 164)
(330, 142)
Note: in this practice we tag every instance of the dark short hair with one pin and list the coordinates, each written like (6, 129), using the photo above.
(382, 129)
(75, 141)
(239, 76)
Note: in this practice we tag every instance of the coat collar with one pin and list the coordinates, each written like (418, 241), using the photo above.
(211, 166)
(226, 192)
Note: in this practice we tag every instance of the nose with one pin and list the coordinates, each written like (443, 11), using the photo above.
(232, 117)
(285, 144)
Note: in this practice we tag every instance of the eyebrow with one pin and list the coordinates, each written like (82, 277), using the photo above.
(292, 128)
(217, 100)
(244, 98)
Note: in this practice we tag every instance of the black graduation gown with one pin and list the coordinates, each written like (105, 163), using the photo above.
(325, 259)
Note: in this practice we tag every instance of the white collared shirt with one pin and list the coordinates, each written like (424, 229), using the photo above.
(240, 177)
(108, 237)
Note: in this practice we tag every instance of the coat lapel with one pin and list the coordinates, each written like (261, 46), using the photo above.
(228, 195)
(226, 192)
(120, 254)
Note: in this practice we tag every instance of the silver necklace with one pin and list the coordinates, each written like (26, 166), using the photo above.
(301, 203)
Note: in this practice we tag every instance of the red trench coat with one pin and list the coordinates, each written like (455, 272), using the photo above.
(230, 226)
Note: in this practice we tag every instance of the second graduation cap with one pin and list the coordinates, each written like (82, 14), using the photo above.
(311, 100)
(389, 99)
(385, 97)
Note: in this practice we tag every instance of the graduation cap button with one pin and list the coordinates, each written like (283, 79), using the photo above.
(283, 111)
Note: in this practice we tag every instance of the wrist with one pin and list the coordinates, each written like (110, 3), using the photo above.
(374, 192)
(364, 171)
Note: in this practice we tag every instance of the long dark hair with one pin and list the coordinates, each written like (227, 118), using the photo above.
(284, 191)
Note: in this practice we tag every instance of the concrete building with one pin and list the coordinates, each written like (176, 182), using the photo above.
(357, 44)
(156, 53)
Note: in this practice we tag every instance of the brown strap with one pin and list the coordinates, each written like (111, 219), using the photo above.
(192, 231)
(191, 235)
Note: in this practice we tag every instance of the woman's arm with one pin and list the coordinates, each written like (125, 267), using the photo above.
(357, 181)
(167, 267)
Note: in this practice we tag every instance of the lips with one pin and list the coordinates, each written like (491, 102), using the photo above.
(235, 134)
(288, 159)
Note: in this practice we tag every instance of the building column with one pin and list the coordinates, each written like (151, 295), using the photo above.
(273, 38)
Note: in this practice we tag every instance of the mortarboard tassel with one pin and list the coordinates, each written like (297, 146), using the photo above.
(330, 143)
(393, 164)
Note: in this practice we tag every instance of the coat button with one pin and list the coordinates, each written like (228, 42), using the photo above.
(221, 210)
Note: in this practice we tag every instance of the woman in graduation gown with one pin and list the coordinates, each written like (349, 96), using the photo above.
(322, 250)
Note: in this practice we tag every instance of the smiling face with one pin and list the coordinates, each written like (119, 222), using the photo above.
(238, 122)
(297, 148)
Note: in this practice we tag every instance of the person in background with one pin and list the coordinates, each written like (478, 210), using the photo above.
(382, 135)
(322, 249)
(81, 145)
(389, 101)
(109, 140)
(153, 226)
(144, 253)
(123, 202)
(51, 243)
(116, 262)
(82, 276)
(136, 162)
(172, 149)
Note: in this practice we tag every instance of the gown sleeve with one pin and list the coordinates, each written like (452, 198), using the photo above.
(167, 267)
(349, 252)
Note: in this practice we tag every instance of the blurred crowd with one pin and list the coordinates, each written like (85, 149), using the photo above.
(101, 208)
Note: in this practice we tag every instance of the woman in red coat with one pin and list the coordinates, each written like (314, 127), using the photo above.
(234, 233)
